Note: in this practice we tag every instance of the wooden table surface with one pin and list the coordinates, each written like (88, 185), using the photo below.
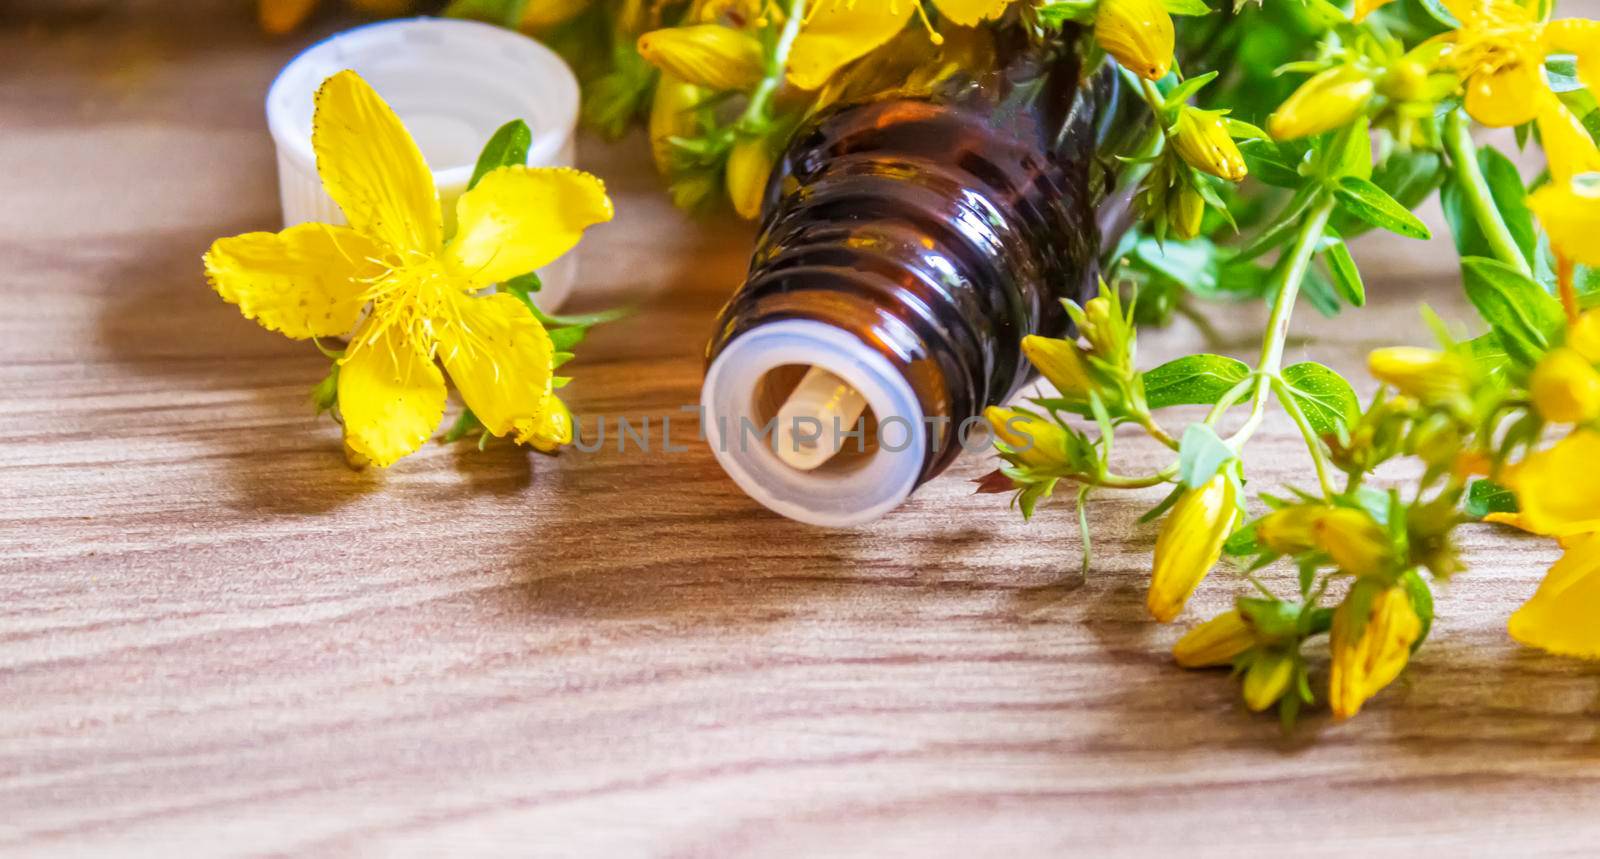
(217, 639)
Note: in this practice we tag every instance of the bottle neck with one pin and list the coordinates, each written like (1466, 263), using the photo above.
(933, 234)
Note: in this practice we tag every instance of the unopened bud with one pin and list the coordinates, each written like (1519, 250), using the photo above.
(1218, 641)
(1061, 361)
(709, 55)
(1203, 140)
(749, 164)
(1138, 33)
(1329, 100)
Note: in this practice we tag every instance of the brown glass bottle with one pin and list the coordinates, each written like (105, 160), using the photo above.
(938, 233)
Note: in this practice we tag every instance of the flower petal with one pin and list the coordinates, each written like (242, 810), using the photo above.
(968, 13)
(390, 394)
(1561, 615)
(1505, 97)
(1579, 36)
(1570, 214)
(1552, 501)
(501, 360)
(372, 168)
(518, 219)
(839, 32)
(1567, 144)
(304, 282)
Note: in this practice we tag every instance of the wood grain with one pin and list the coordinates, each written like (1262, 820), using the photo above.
(215, 639)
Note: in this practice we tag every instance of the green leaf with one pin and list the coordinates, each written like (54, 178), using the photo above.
(1486, 496)
(1328, 401)
(466, 424)
(1181, 93)
(507, 147)
(1274, 165)
(1201, 453)
(1421, 601)
(1350, 153)
(1409, 177)
(1518, 310)
(565, 338)
(1193, 380)
(1372, 204)
(1346, 277)
(1186, 7)
(1436, 9)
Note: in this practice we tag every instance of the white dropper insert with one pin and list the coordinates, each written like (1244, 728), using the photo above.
(820, 400)
(453, 83)
(795, 369)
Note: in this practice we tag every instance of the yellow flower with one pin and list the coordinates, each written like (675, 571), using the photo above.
(1218, 641)
(1553, 490)
(1563, 616)
(1364, 663)
(1203, 141)
(1354, 540)
(1061, 362)
(749, 164)
(1570, 214)
(1565, 387)
(709, 55)
(1499, 52)
(1330, 99)
(1427, 374)
(1138, 33)
(838, 32)
(1267, 679)
(415, 296)
(1036, 442)
(1189, 545)
(281, 16)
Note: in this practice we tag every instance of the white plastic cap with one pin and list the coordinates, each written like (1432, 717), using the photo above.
(852, 492)
(453, 83)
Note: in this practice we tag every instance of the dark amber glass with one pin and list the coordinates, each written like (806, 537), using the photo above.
(942, 231)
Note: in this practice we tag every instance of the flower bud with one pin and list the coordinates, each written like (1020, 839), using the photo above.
(672, 114)
(1373, 630)
(1218, 641)
(749, 164)
(1138, 33)
(1291, 530)
(1203, 140)
(550, 430)
(1267, 679)
(1034, 441)
(1103, 330)
(1186, 211)
(1427, 374)
(1061, 361)
(1189, 545)
(1329, 100)
(1406, 80)
(1354, 540)
(708, 55)
(1437, 440)
(1565, 387)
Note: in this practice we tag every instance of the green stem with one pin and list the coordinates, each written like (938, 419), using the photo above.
(1475, 188)
(754, 116)
(1305, 246)
(1307, 432)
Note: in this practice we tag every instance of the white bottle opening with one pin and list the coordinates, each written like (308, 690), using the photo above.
(814, 424)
